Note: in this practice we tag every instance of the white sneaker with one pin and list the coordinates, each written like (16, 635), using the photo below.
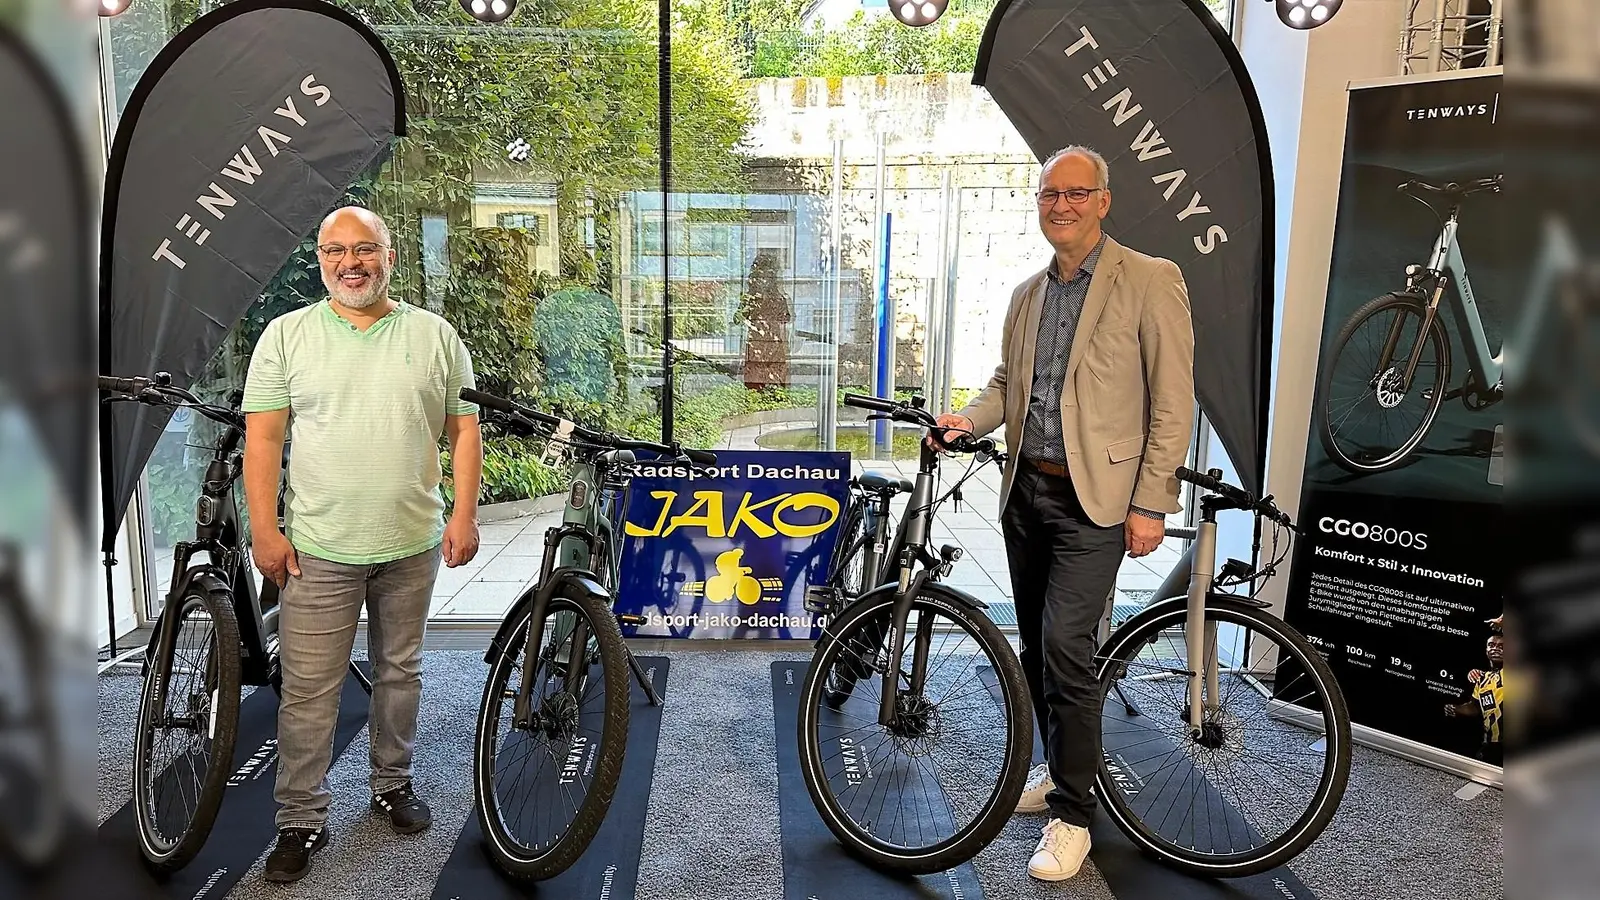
(1060, 853)
(1038, 787)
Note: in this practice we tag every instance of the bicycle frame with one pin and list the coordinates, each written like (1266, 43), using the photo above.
(1486, 366)
(584, 547)
(1204, 686)
(910, 547)
(219, 534)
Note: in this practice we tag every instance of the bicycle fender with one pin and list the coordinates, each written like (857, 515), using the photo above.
(576, 581)
(935, 587)
(945, 591)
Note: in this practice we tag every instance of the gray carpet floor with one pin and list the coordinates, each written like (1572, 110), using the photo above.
(712, 827)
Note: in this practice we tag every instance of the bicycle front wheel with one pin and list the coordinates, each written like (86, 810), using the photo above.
(1264, 774)
(544, 785)
(1369, 419)
(930, 791)
(188, 722)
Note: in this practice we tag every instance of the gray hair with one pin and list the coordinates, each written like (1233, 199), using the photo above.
(1102, 172)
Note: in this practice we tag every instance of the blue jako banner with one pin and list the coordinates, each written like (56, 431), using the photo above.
(730, 553)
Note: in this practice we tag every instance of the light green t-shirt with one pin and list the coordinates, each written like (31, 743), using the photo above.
(366, 410)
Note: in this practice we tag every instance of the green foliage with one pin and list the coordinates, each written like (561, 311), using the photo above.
(877, 45)
(171, 493)
(491, 300)
(512, 470)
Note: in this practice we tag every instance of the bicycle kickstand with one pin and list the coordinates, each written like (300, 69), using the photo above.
(1126, 703)
(644, 679)
(366, 683)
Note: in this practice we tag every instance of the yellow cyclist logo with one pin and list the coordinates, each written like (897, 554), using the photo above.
(734, 579)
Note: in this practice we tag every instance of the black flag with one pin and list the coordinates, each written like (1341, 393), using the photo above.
(243, 133)
(46, 284)
(1157, 87)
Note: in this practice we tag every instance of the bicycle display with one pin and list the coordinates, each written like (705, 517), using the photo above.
(1230, 722)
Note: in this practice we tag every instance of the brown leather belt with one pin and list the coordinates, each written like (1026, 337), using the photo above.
(1047, 467)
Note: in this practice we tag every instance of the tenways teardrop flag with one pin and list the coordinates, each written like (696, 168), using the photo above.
(243, 133)
(1157, 88)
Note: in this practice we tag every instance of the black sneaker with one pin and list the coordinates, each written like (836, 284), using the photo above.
(291, 859)
(406, 811)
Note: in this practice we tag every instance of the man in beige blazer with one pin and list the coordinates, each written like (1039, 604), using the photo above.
(1095, 388)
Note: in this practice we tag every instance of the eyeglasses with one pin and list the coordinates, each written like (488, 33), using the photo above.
(1073, 195)
(364, 252)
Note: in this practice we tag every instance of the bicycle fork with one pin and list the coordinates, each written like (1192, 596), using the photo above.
(1200, 635)
(907, 588)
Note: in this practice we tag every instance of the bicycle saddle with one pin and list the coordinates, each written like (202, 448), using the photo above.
(883, 481)
(1458, 188)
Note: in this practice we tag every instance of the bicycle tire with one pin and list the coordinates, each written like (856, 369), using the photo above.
(849, 546)
(1437, 337)
(505, 851)
(970, 840)
(1146, 628)
(161, 855)
(843, 683)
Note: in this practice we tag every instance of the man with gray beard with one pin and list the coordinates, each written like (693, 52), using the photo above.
(364, 386)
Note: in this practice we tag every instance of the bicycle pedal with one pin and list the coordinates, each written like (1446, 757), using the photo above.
(820, 598)
(628, 619)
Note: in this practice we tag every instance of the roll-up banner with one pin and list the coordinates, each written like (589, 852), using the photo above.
(1399, 574)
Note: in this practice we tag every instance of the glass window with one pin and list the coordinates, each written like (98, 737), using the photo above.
(527, 208)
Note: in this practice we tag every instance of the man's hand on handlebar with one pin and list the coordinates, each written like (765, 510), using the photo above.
(954, 421)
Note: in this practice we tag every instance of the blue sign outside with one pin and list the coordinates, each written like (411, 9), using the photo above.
(729, 553)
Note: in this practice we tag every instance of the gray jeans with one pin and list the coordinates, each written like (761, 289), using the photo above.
(317, 628)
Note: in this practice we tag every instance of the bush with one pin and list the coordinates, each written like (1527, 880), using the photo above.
(512, 470)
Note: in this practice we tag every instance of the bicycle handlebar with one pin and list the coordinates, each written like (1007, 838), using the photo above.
(873, 403)
(1240, 498)
(911, 413)
(502, 405)
(160, 391)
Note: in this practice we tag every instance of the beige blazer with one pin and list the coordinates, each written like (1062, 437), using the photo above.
(1127, 409)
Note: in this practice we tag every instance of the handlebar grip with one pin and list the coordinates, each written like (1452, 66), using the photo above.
(488, 401)
(1199, 479)
(875, 403)
(700, 457)
(123, 385)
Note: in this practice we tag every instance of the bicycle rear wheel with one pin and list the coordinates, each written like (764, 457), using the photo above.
(931, 791)
(1267, 770)
(188, 721)
(543, 787)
